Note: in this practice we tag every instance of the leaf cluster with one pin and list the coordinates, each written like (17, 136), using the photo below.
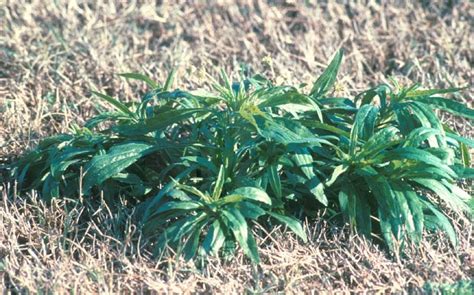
(202, 168)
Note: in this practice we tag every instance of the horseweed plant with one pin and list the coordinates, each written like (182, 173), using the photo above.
(202, 168)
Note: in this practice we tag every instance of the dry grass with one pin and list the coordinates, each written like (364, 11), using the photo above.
(52, 55)
(52, 248)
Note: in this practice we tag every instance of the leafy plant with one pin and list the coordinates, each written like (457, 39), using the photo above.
(221, 218)
(202, 167)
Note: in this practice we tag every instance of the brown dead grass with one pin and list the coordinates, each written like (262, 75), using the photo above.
(52, 55)
(53, 249)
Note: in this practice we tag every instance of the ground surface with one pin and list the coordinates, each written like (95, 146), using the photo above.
(52, 53)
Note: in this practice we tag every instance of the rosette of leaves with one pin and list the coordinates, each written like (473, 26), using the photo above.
(203, 166)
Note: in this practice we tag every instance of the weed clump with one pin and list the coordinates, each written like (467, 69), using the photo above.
(202, 167)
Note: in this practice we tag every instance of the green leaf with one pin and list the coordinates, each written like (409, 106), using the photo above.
(355, 207)
(407, 122)
(415, 154)
(420, 170)
(445, 193)
(382, 140)
(439, 221)
(428, 118)
(232, 198)
(192, 243)
(50, 188)
(177, 205)
(282, 130)
(172, 234)
(219, 183)
(202, 161)
(169, 80)
(386, 228)
(284, 96)
(327, 127)
(416, 208)
(253, 193)
(467, 141)
(403, 194)
(393, 209)
(140, 77)
(275, 182)
(117, 104)
(159, 122)
(214, 239)
(118, 158)
(240, 230)
(338, 171)
(325, 82)
(106, 116)
(419, 135)
(253, 248)
(316, 187)
(191, 189)
(65, 158)
(368, 96)
(226, 79)
(368, 171)
(304, 161)
(429, 92)
(250, 210)
(464, 172)
(465, 155)
(448, 105)
(364, 124)
(292, 223)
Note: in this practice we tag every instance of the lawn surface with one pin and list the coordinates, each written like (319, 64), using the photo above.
(52, 53)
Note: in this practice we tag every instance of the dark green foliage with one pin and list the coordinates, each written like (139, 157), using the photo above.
(202, 168)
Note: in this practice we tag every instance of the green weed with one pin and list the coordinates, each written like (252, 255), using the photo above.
(201, 168)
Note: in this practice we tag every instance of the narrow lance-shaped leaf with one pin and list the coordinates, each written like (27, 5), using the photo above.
(429, 119)
(219, 183)
(445, 193)
(169, 80)
(117, 104)
(140, 77)
(368, 96)
(429, 92)
(102, 167)
(355, 206)
(214, 239)
(339, 170)
(192, 243)
(324, 83)
(159, 122)
(448, 105)
(292, 223)
(465, 155)
(439, 221)
(240, 230)
(364, 124)
(275, 181)
(389, 209)
(467, 141)
(254, 194)
(403, 193)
